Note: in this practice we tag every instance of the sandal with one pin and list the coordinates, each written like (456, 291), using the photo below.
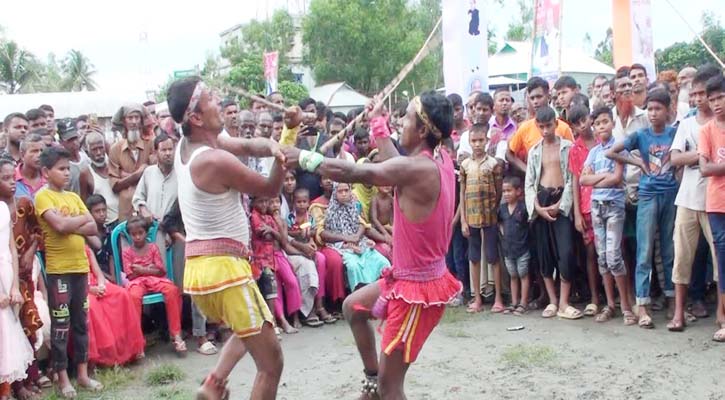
(520, 310)
(44, 382)
(207, 349)
(473, 309)
(605, 315)
(550, 311)
(719, 336)
(629, 318)
(676, 326)
(92, 385)
(510, 309)
(312, 321)
(179, 345)
(497, 309)
(689, 317)
(591, 310)
(570, 313)
(645, 322)
(325, 316)
(68, 392)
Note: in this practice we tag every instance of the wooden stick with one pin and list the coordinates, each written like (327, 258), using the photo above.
(257, 99)
(428, 45)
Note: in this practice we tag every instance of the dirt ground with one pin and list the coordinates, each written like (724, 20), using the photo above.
(475, 357)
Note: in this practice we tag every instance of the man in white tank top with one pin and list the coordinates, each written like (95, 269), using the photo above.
(217, 274)
(94, 178)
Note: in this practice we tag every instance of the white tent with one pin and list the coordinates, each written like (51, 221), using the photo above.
(339, 96)
(70, 104)
(514, 61)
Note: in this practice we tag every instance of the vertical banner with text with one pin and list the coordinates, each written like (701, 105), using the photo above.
(271, 63)
(546, 47)
(465, 47)
(632, 34)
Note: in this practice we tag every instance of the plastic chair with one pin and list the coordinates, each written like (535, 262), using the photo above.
(120, 229)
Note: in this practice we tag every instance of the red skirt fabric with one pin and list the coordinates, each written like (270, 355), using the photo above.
(114, 328)
(407, 327)
(436, 292)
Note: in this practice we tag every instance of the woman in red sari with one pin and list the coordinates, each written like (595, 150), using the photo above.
(114, 328)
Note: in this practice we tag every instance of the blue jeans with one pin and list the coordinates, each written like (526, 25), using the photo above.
(457, 258)
(717, 225)
(653, 212)
(700, 269)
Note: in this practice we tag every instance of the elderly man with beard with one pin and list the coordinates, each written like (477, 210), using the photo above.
(95, 178)
(128, 158)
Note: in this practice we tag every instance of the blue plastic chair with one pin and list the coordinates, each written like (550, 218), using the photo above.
(120, 229)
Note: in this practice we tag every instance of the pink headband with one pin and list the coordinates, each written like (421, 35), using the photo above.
(193, 101)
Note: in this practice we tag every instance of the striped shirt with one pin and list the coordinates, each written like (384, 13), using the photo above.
(598, 163)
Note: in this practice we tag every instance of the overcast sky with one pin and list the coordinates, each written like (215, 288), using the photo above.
(136, 45)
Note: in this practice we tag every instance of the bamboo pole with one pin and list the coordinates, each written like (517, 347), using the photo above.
(428, 45)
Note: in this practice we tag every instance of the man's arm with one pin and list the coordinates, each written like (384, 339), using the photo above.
(254, 147)
(63, 224)
(709, 168)
(393, 172)
(86, 182)
(615, 153)
(221, 167)
(684, 158)
(515, 161)
(140, 195)
(612, 179)
(120, 183)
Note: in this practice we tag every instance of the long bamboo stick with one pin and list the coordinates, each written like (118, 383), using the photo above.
(428, 45)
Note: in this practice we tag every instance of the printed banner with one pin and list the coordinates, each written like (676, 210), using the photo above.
(546, 47)
(271, 63)
(642, 47)
(632, 34)
(465, 47)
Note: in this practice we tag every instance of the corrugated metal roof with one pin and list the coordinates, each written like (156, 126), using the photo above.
(70, 104)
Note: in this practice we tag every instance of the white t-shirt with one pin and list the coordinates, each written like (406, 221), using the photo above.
(693, 187)
(464, 146)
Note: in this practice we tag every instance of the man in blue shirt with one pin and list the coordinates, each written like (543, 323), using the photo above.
(657, 190)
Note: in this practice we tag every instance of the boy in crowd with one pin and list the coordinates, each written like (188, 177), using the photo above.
(691, 218)
(101, 243)
(65, 220)
(516, 255)
(362, 143)
(480, 110)
(657, 191)
(528, 134)
(566, 88)
(548, 191)
(481, 177)
(581, 123)
(712, 165)
(607, 213)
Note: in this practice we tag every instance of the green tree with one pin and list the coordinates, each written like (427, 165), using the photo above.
(693, 53)
(77, 72)
(603, 52)
(49, 77)
(360, 42)
(521, 29)
(293, 92)
(18, 67)
(242, 63)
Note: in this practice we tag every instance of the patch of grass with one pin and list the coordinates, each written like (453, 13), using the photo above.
(115, 378)
(164, 374)
(172, 393)
(454, 315)
(523, 355)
